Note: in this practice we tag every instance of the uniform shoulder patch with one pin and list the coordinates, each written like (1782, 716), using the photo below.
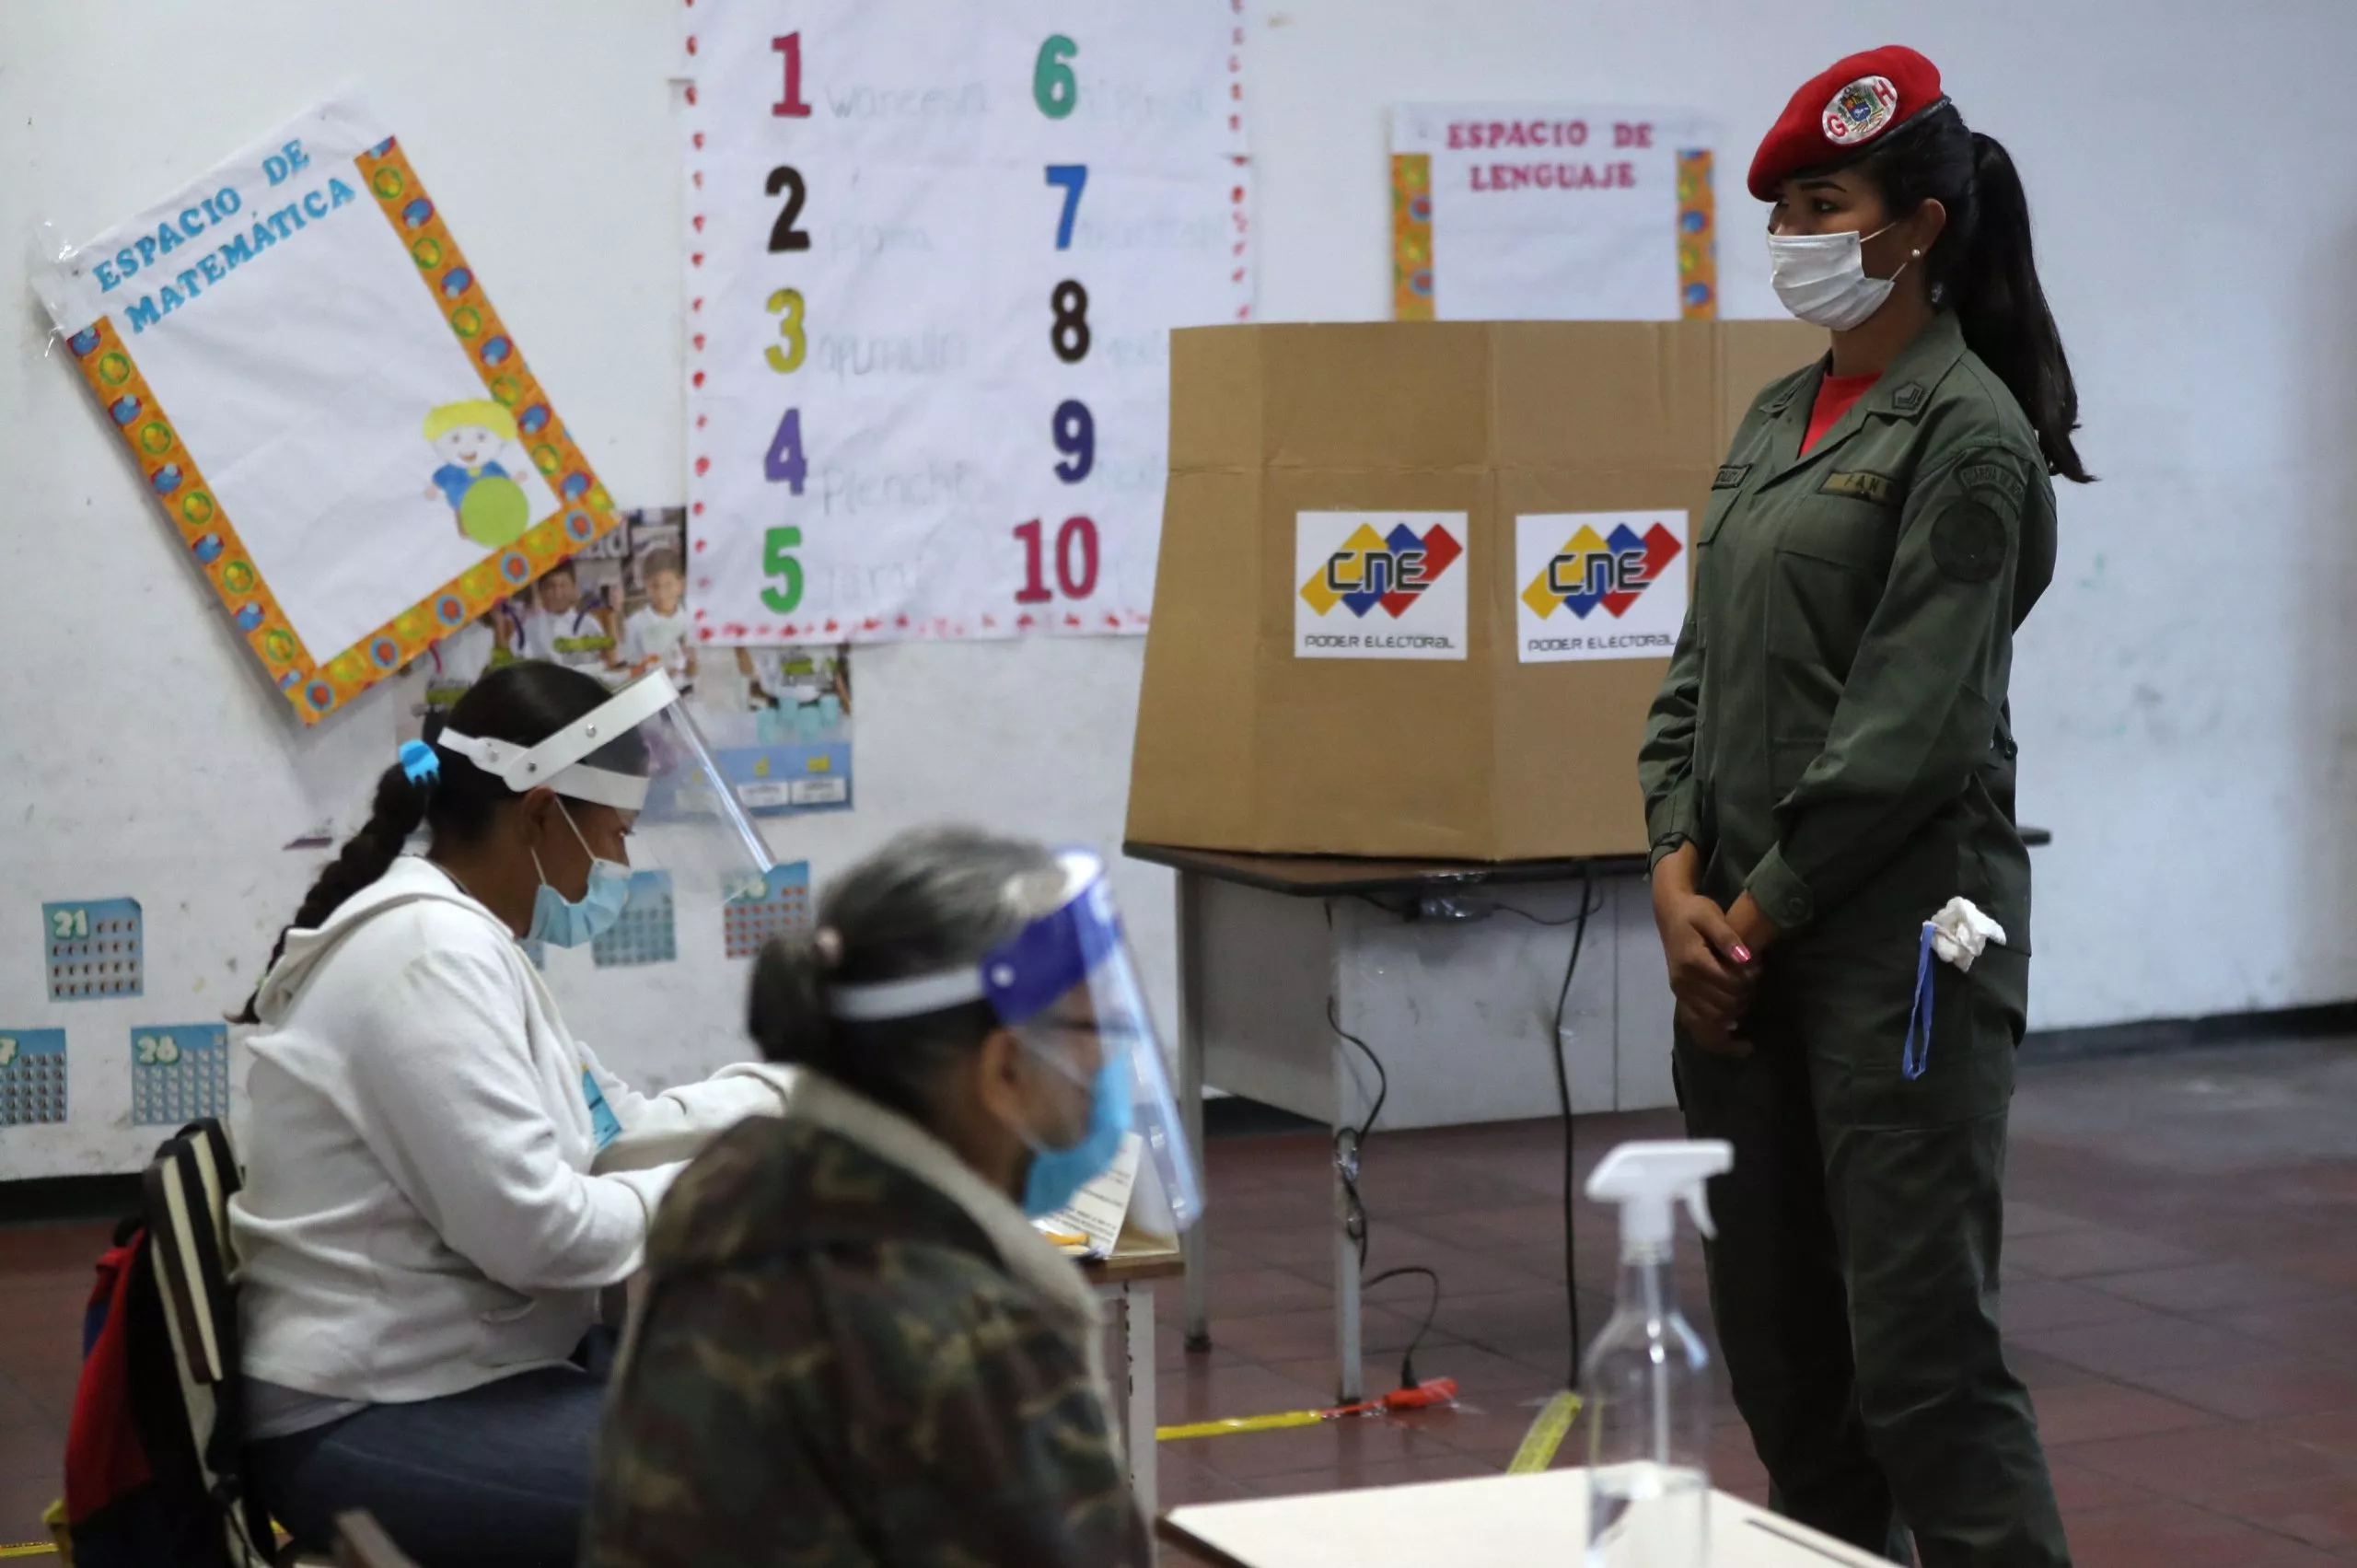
(1880, 489)
(1994, 474)
(1968, 541)
(1971, 533)
(1731, 476)
(1908, 399)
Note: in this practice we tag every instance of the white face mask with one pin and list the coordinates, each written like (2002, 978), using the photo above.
(1822, 278)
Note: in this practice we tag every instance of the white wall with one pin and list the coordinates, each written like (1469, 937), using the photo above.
(2183, 696)
(2184, 728)
(140, 754)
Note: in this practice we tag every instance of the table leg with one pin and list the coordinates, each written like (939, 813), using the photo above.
(1348, 1381)
(1138, 1414)
(1194, 1244)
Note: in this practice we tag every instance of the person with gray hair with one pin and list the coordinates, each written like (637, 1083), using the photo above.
(856, 1346)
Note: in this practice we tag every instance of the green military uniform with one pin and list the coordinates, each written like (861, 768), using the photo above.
(1834, 737)
(839, 1368)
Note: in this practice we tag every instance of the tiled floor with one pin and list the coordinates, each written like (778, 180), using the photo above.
(2181, 1295)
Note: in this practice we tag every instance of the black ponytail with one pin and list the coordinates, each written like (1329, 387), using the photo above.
(1984, 267)
(927, 901)
(523, 703)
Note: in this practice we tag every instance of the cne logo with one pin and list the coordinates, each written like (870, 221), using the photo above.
(1606, 570)
(1391, 570)
(1410, 567)
(1627, 564)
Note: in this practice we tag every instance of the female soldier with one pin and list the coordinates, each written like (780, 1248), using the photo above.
(855, 1347)
(1830, 762)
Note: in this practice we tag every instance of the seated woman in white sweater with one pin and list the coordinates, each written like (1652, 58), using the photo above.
(422, 1238)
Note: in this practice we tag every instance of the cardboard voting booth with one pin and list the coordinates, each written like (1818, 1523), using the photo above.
(1420, 581)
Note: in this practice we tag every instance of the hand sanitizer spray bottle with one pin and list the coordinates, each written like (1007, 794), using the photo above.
(1646, 1385)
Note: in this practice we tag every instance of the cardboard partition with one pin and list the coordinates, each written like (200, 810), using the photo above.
(1419, 580)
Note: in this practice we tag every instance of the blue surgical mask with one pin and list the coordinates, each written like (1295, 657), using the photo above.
(567, 922)
(1057, 1175)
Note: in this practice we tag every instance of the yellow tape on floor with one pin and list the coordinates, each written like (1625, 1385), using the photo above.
(1238, 1423)
(1546, 1434)
(30, 1549)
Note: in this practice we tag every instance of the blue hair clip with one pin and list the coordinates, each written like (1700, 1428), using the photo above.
(418, 763)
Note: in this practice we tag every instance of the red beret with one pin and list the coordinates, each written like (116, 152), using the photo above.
(1841, 109)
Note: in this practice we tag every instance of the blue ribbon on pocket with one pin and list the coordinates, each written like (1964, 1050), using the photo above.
(1916, 1054)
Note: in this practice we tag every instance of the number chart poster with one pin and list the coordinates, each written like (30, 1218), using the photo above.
(1520, 212)
(935, 251)
(316, 389)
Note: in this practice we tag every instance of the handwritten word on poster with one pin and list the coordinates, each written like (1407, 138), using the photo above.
(319, 394)
(935, 252)
(1522, 211)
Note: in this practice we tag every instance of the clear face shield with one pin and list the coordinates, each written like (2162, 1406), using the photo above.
(640, 753)
(1066, 987)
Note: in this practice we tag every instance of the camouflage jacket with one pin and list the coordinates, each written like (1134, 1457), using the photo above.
(853, 1353)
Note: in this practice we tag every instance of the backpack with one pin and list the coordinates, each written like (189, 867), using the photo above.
(145, 1487)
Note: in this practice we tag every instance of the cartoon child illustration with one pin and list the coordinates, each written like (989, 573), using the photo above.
(658, 634)
(490, 506)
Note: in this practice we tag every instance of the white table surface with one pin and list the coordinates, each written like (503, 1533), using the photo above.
(1503, 1520)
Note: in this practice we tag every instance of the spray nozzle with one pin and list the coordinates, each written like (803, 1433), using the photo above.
(1644, 1178)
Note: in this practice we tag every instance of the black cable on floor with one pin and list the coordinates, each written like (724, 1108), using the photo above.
(1431, 1310)
(1349, 1140)
(1563, 1094)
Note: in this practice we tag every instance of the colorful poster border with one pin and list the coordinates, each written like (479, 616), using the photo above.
(315, 686)
(1698, 237)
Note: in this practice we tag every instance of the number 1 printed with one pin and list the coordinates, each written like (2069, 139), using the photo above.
(791, 106)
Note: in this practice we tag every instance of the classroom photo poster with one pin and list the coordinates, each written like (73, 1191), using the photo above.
(778, 718)
(319, 393)
(935, 252)
(1552, 212)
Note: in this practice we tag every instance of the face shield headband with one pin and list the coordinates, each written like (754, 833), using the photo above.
(558, 761)
(1067, 972)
